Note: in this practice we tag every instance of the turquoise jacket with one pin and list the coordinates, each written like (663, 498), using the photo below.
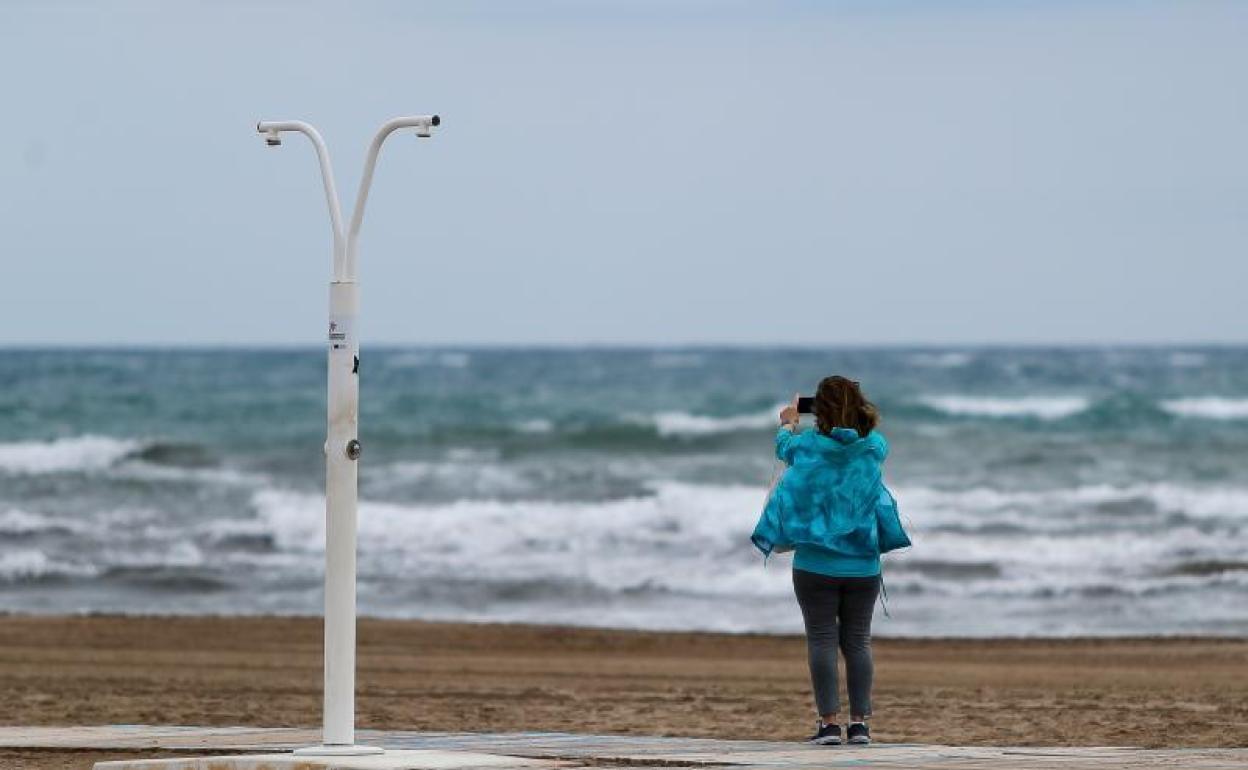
(825, 503)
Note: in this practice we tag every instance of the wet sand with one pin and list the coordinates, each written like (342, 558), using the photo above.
(435, 676)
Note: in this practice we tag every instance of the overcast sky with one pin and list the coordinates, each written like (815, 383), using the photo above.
(630, 172)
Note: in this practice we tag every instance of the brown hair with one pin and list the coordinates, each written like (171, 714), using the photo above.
(839, 403)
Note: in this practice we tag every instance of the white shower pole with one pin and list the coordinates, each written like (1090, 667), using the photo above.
(342, 446)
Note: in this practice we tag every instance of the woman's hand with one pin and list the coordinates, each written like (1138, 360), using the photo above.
(789, 415)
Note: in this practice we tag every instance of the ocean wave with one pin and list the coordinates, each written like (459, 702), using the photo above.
(143, 471)
(673, 511)
(1094, 588)
(238, 535)
(1208, 407)
(174, 453)
(630, 544)
(677, 360)
(154, 552)
(420, 359)
(15, 521)
(458, 476)
(643, 543)
(29, 565)
(1051, 544)
(947, 360)
(1041, 407)
(143, 460)
(173, 578)
(674, 424)
(1038, 510)
(535, 425)
(1180, 359)
(1043, 559)
(78, 453)
(635, 430)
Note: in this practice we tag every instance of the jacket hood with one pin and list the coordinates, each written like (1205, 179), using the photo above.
(845, 442)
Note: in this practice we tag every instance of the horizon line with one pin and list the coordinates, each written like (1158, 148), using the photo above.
(622, 346)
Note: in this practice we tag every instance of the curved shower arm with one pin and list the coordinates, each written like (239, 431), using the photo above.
(273, 129)
(423, 124)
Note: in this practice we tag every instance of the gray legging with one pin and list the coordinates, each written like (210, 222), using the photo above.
(837, 612)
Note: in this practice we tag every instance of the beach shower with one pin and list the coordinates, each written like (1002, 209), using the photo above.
(342, 445)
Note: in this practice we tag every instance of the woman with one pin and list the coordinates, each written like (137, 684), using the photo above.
(824, 508)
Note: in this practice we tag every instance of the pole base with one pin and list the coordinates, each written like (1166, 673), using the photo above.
(338, 750)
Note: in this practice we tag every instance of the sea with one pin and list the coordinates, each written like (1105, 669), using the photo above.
(1049, 492)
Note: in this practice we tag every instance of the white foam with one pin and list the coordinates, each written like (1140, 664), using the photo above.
(1208, 407)
(1043, 566)
(418, 359)
(461, 476)
(684, 537)
(677, 360)
(463, 454)
(685, 424)
(30, 563)
(948, 360)
(1046, 508)
(223, 476)
(15, 521)
(694, 539)
(680, 557)
(1043, 407)
(90, 453)
(153, 553)
(536, 425)
(79, 453)
(1061, 544)
(1185, 360)
(218, 530)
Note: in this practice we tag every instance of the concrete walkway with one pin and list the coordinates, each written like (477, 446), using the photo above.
(417, 751)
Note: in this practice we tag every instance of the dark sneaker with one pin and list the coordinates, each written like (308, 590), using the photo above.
(826, 735)
(859, 733)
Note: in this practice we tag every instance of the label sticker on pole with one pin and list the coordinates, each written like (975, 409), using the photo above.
(341, 332)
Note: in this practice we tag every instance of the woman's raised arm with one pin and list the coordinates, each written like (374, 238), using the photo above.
(786, 441)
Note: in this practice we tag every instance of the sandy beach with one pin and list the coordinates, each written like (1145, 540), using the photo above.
(433, 676)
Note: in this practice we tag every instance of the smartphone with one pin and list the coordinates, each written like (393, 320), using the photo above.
(805, 405)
